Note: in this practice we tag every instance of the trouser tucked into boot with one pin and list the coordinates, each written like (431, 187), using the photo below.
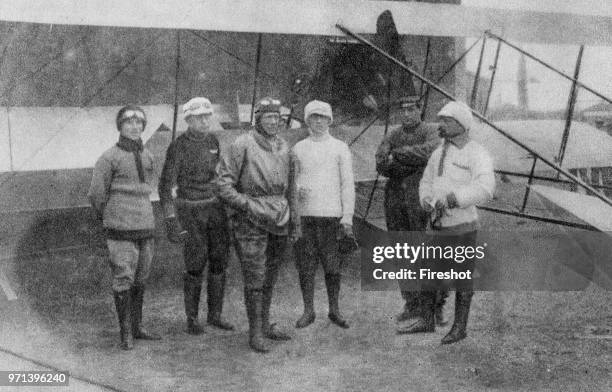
(137, 292)
(192, 289)
(207, 244)
(319, 244)
(260, 254)
(216, 290)
(463, 300)
(270, 330)
(123, 304)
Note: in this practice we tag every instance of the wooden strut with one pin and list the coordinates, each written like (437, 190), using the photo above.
(548, 162)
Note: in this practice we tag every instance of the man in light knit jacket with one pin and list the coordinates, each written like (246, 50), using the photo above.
(401, 157)
(191, 161)
(324, 197)
(254, 180)
(459, 175)
(119, 193)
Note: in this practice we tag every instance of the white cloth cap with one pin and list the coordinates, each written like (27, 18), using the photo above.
(318, 107)
(196, 106)
(460, 112)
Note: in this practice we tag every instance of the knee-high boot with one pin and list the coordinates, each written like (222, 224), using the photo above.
(138, 332)
(411, 306)
(463, 300)
(306, 275)
(253, 302)
(441, 296)
(332, 282)
(216, 290)
(270, 330)
(425, 321)
(192, 289)
(123, 304)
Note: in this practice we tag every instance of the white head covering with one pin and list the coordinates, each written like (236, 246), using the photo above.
(460, 112)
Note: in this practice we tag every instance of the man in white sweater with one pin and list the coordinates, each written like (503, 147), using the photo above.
(323, 197)
(459, 175)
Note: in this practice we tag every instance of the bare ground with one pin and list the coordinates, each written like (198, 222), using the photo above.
(518, 341)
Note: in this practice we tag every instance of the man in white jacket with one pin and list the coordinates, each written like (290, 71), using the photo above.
(459, 175)
(323, 196)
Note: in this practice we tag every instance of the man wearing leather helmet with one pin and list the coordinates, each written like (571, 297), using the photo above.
(253, 180)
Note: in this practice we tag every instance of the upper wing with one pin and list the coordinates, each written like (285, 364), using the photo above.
(317, 17)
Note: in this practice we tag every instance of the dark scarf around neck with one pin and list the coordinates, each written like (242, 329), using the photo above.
(269, 143)
(196, 136)
(135, 147)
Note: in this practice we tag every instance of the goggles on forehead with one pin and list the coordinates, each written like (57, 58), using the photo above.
(269, 101)
(128, 114)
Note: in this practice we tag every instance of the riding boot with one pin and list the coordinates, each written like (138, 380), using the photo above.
(137, 292)
(306, 275)
(425, 321)
(192, 289)
(216, 289)
(332, 283)
(411, 306)
(270, 331)
(253, 301)
(122, 304)
(463, 300)
(441, 296)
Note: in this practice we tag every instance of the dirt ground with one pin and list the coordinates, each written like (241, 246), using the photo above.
(518, 341)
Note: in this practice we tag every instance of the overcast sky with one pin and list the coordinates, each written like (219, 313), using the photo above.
(587, 7)
(549, 91)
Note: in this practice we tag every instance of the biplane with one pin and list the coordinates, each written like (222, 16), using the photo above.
(47, 150)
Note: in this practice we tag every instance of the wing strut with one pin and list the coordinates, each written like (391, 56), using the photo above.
(477, 115)
(570, 109)
(256, 75)
(534, 58)
(176, 82)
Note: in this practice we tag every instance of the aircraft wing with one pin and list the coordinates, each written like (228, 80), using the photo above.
(586, 208)
(316, 17)
(587, 146)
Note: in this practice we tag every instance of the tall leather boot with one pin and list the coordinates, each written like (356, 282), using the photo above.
(122, 304)
(425, 321)
(253, 301)
(192, 289)
(463, 300)
(137, 292)
(306, 275)
(270, 331)
(441, 296)
(332, 283)
(216, 290)
(411, 306)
